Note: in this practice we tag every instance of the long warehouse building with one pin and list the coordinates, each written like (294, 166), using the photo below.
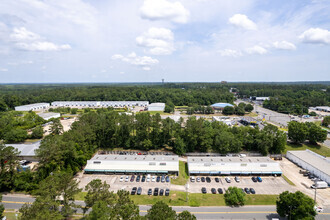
(233, 166)
(102, 104)
(313, 162)
(32, 107)
(134, 164)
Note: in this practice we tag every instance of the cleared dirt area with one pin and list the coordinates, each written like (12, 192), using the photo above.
(302, 183)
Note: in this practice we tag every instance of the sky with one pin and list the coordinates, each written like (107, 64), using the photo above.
(68, 41)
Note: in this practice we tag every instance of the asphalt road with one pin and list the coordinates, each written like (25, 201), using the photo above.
(224, 212)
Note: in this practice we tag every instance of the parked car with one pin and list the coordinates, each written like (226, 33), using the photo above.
(220, 191)
(156, 191)
(167, 179)
(216, 179)
(247, 190)
(153, 179)
(198, 179)
(228, 180)
(252, 191)
(203, 190)
(163, 179)
(318, 209)
(127, 178)
(158, 179)
(254, 179)
(192, 179)
(121, 179)
(167, 192)
(138, 178)
(259, 179)
(132, 178)
(133, 191)
(208, 179)
(139, 191)
(148, 179)
(149, 192)
(143, 179)
(161, 192)
(213, 191)
(237, 179)
(243, 190)
(203, 179)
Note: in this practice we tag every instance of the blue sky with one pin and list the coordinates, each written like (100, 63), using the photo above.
(180, 40)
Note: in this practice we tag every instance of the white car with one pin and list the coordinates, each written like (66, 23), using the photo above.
(127, 178)
(148, 179)
(227, 179)
(192, 179)
(121, 179)
(153, 179)
(318, 209)
(198, 179)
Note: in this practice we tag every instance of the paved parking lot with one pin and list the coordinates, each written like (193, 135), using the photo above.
(269, 185)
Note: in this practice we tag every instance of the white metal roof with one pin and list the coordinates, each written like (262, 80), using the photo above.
(133, 163)
(319, 162)
(32, 105)
(49, 114)
(26, 149)
(157, 104)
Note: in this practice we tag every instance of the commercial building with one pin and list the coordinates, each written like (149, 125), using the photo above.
(313, 162)
(26, 151)
(135, 164)
(254, 98)
(233, 166)
(220, 105)
(224, 119)
(49, 115)
(323, 108)
(32, 107)
(158, 107)
(99, 104)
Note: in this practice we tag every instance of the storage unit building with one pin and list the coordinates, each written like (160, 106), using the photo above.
(27, 151)
(159, 107)
(99, 104)
(49, 115)
(313, 162)
(136, 164)
(233, 166)
(32, 107)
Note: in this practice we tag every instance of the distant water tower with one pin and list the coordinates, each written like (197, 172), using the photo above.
(163, 81)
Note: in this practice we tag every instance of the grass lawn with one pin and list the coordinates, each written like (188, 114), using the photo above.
(175, 198)
(319, 149)
(261, 199)
(288, 180)
(10, 215)
(80, 196)
(183, 174)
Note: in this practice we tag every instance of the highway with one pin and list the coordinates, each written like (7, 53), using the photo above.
(246, 212)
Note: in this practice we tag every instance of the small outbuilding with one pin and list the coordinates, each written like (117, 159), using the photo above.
(157, 107)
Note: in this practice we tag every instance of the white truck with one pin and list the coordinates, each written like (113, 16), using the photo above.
(320, 185)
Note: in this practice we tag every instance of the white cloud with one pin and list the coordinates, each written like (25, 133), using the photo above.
(316, 36)
(164, 10)
(158, 40)
(242, 21)
(144, 62)
(230, 53)
(27, 40)
(256, 50)
(3, 70)
(284, 45)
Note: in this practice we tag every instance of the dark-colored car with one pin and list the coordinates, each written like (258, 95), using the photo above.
(133, 191)
(220, 191)
(254, 179)
(252, 191)
(139, 191)
(163, 179)
(143, 179)
(247, 190)
(132, 178)
(203, 179)
(167, 192)
(158, 179)
(213, 191)
(203, 189)
(161, 192)
(156, 191)
(138, 178)
(216, 179)
(259, 179)
(149, 192)
(167, 179)
(208, 179)
(242, 190)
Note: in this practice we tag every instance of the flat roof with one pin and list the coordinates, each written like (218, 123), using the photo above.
(319, 162)
(116, 157)
(230, 160)
(157, 104)
(26, 149)
(32, 105)
(48, 114)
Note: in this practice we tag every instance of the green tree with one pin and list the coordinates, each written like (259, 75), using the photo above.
(160, 211)
(234, 197)
(3, 106)
(15, 135)
(8, 164)
(2, 208)
(312, 114)
(249, 108)
(100, 211)
(326, 121)
(125, 207)
(98, 191)
(37, 132)
(179, 146)
(56, 127)
(297, 132)
(315, 133)
(295, 206)
(228, 110)
(74, 111)
(186, 215)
